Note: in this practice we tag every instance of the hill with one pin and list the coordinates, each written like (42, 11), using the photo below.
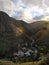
(39, 28)
(40, 33)
(12, 33)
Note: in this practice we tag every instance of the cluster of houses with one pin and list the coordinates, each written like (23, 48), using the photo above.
(26, 51)
(21, 53)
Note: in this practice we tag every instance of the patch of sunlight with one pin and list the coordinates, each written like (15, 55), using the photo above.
(17, 30)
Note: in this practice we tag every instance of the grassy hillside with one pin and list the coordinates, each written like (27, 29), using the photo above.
(41, 34)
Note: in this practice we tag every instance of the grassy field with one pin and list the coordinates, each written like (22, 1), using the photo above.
(3, 62)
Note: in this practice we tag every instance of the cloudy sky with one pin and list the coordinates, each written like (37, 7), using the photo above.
(26, 10)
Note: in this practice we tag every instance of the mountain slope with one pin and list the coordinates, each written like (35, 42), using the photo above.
(41, 35)
(12, 33)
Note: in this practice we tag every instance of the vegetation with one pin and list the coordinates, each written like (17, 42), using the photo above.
(15, 33)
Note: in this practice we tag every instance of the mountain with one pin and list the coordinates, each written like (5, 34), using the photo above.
(40, 28)
(12, 33)
(40, 34)
(22, 23)
(35, 26)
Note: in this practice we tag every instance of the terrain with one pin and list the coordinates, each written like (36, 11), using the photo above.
(14, 33)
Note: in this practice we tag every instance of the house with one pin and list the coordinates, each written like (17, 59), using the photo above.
(29, 52)
(20, 53)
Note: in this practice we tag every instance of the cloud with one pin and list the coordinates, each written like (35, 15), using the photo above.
(31, 3)
(1, 5)
(14, 1)
(25, 9)
(5, 5)
(37, 13)
(17, 15)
